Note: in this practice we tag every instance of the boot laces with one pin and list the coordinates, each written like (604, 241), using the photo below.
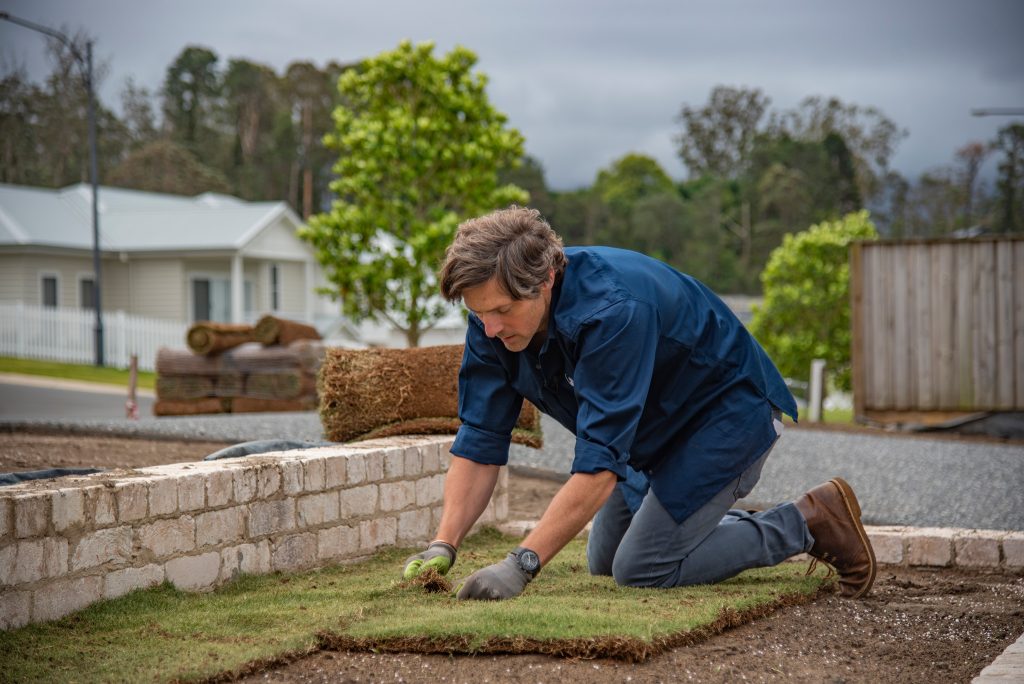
(814, 566)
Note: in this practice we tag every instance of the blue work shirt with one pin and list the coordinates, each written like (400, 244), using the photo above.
(656, 377)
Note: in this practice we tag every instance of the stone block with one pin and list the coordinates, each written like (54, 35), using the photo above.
(121, 582)
(296, 552)
(245, 559)
(111, 545)
(100, 505)
(163, 496)
(194, 573)
(394, 496)
(268, 480)
(356, 469)
(413, 462)
(39, 559)
(374, 466)
(6, 528)
(337, 542)
(217, 527)
(931, 546)
(192, 492)
(429, 490)
(334, 471)
(317, 509)
(414, 526)
(358, 501)
(132, 500)
(431, 458)
(244, 484)
(444, 459)
(65, 597)
(977, 549)
(31, 514)
(394, 463)
(292, 477)
(435, 516)
(501, 506)
(218, 488)
(68, 509)
(8, 562)
(1013, 550)
(314, 474)
(888, 544)
(376, 533)
(270, 517)
(165, 538)
(15, 609)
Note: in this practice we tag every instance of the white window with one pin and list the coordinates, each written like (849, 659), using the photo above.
(49, 287)
(87, 292)
(211, 298)
(275, 287)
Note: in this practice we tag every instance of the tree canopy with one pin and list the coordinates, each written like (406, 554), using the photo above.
(419, 149)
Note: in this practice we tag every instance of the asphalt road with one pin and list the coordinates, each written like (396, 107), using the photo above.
(900, 480)
(41, 399)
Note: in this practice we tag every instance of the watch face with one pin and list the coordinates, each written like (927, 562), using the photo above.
(529, 561)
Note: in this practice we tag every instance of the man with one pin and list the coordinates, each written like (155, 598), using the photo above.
(674, 405)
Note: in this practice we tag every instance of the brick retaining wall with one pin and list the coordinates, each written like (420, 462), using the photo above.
(69, 542)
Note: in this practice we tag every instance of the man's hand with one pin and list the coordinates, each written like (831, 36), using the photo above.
(502, 580)
(439, 555)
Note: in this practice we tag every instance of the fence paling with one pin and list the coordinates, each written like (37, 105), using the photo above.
(67, 335)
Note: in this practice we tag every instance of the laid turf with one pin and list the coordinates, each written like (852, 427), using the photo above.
(162, 634)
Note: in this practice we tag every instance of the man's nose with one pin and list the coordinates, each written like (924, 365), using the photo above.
(492, 325)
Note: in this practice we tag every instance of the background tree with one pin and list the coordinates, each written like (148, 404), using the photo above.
(1010, 181)
(191, 94)
(165, 166)
(717, 138)
(970, 157)
(806, 310)
(420, 147)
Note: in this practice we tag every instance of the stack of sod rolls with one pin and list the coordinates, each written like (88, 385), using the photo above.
(240, 369)
(367, 393)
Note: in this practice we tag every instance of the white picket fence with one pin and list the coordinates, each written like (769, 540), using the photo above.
(36, 332)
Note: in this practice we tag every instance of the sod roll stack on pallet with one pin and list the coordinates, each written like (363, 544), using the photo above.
(271, 366)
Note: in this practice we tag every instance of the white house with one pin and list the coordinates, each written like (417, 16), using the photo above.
(209, 257)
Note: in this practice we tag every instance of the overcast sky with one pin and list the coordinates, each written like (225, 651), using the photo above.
(589, 81)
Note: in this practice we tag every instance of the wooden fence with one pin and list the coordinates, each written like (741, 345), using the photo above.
(36, 332)
(938, 326)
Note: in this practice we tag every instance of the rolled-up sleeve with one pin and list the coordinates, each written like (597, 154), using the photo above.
(488, 405)
(616, 355)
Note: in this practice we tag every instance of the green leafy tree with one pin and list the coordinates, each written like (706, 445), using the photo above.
(420, 147)
(1010, 181)
(191, 102)
(718, 137)
(806, 310)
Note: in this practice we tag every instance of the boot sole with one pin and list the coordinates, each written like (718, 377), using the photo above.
(853, 507)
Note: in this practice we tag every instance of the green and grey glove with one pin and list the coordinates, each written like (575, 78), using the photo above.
(503, 580)
(439, 555)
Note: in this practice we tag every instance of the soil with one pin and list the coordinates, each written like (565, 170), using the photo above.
(917, 625)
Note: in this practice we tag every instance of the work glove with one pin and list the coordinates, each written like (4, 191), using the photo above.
(439, 555)
(496, 582)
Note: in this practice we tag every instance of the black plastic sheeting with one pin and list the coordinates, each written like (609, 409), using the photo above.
(263, 446)
(17, 478)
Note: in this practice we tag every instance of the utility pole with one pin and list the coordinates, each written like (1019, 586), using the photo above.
(85, 64)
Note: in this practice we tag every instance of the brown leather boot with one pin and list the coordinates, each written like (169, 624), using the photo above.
(833, 518)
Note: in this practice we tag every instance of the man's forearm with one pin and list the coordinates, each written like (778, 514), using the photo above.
(574, 505)
(467, 490)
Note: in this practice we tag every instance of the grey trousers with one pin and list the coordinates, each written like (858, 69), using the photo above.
(650, 549)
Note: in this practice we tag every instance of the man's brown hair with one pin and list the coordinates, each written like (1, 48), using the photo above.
(515, 245)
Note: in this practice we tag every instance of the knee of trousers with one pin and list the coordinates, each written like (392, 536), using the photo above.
(599, 563)
(628, 573)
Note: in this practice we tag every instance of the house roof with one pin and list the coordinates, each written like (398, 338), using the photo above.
(132, 220)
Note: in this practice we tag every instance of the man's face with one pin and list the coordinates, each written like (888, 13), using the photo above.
(513, 321)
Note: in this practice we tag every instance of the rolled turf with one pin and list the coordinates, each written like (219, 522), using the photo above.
(368, 393)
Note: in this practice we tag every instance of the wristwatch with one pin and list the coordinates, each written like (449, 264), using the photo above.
(528, 560)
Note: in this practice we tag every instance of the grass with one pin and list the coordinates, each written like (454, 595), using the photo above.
(71, 371)
(162, 634)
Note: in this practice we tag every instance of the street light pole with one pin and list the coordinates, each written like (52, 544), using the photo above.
(85, 64)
